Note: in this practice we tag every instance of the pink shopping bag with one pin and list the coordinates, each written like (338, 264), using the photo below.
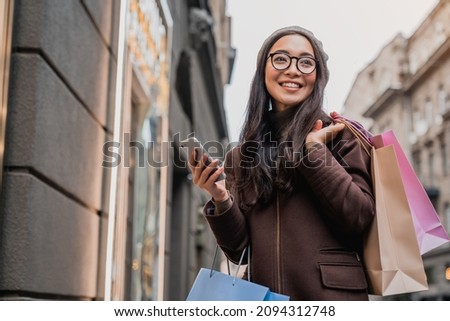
(429, 230)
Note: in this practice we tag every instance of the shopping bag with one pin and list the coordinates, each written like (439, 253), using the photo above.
(429, 230)
(430, 233)
(211, 285)
(391, 253)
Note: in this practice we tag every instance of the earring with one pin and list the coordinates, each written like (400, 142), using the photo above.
(270, 107)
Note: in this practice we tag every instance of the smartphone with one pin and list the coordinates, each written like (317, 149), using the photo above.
(191, 143)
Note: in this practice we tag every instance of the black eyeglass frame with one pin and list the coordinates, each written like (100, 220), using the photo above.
(290, 62)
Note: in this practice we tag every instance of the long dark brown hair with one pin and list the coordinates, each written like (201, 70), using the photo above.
(258, 175)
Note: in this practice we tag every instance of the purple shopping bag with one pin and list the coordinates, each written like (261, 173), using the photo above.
(429, 230)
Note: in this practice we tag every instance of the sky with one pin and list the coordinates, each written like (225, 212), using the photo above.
(352, 32)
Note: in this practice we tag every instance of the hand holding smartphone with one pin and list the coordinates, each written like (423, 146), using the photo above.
(192, 143)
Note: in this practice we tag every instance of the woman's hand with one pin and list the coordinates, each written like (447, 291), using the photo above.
(205, 176)
(322, 135)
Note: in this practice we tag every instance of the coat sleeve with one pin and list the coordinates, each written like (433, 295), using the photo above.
(339, 175)
(229, 227)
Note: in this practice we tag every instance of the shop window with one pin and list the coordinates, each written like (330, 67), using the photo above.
(417, 164)
(420, 125)
(444, 157)
(431, 275)
(183, 85)
(429, 112)
(431, 169)
(442, 100)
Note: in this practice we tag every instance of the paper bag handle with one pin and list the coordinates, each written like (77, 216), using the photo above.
(228, 263)
(363, 140)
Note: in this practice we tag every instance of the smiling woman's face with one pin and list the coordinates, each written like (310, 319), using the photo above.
(290, 87)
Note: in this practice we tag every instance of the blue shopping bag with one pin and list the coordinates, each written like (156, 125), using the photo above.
(211, 285)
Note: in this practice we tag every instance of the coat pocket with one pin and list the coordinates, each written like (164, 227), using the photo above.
(345, 276)
(340, 255)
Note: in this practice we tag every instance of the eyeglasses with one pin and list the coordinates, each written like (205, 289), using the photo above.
(281, 61)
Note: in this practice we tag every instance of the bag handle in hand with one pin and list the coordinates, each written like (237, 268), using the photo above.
(358, 130)
(228, 263)
(363, 140)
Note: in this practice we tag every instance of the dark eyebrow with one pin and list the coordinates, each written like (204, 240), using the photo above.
(303, 54)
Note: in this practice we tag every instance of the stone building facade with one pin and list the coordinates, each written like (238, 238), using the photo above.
(94, 203)
(407, 88)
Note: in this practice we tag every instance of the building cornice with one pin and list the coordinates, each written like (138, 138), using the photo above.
(382, 101)
(432, 64)
(429, 17)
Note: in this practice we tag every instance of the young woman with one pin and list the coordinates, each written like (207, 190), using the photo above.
(298, 187)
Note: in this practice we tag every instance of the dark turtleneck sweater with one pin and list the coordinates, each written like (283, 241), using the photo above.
(280, 119)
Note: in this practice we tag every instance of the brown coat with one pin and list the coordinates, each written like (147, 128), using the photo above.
(308, 244)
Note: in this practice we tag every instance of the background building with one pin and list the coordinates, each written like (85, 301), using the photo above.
(407, 88)
(202, 64)
(62, 164)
